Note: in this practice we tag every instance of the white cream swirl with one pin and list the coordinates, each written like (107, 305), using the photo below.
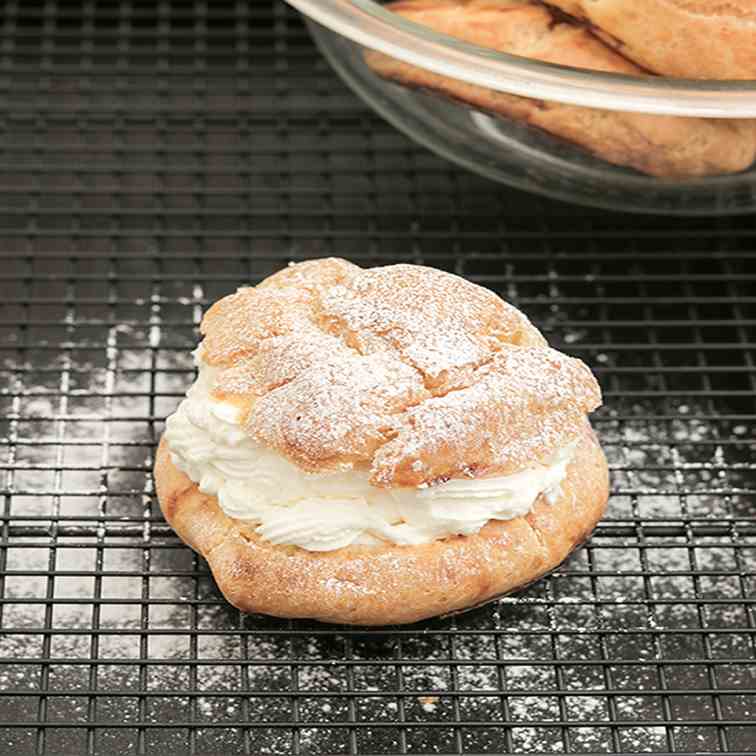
(324, 512)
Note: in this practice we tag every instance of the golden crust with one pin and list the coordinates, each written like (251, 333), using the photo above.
(666, 146)
(404, 371)
(697, 39)
(386, 584)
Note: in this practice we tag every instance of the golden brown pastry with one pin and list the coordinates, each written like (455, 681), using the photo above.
(696, 39)
(666, 146)
(379, 446)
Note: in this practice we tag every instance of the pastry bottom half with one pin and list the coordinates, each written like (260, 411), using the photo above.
(389, 584)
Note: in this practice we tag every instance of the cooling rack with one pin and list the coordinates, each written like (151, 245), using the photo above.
(155, 156)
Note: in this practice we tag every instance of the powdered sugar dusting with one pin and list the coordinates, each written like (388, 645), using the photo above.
(277, 361)
(404, 370)
(236, 325)
(542, 394)
(337, 413)
(435, 321)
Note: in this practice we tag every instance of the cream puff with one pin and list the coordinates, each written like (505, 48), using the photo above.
(695, 39)
(378, 446)
(659, 145)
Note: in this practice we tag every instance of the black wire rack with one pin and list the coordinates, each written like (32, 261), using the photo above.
(156, 155)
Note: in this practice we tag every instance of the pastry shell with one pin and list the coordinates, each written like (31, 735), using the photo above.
(382, 585)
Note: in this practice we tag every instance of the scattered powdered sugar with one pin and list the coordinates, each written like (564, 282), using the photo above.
(589, 623)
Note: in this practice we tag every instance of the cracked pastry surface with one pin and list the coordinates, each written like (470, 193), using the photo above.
(665, 146)
(391, 417)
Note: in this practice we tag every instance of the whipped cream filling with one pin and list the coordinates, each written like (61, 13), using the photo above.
(324, 512)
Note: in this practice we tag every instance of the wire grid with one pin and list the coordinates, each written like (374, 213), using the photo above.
(157, 155)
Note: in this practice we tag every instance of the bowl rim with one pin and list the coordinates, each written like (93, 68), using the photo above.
(368, 24)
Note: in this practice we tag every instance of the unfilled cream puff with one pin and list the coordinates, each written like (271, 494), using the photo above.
(659, 145)
(694, 39)
(378, 446)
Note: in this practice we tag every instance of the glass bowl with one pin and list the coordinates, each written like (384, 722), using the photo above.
(513, 153)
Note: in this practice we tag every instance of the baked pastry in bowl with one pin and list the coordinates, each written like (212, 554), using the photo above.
(379, 446)
(696, 39)
(585, 108)
(663, 146)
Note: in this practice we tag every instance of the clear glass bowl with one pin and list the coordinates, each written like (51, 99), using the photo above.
(508, 151)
